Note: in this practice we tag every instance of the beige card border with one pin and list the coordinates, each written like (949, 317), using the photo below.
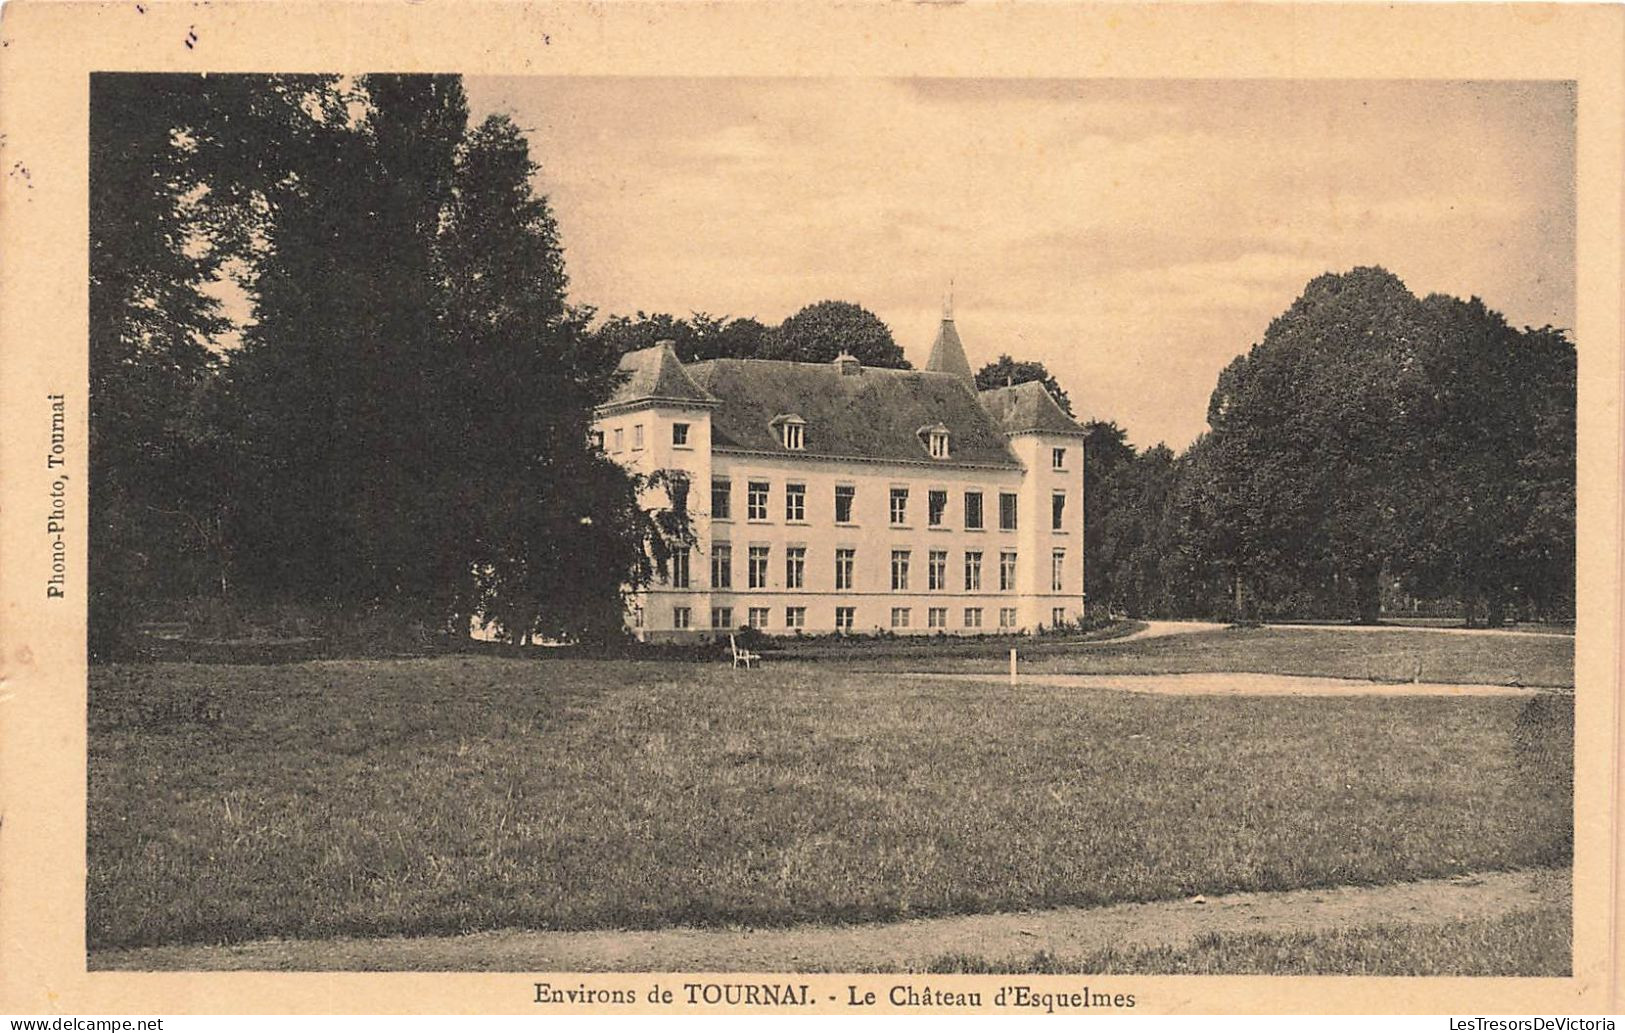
(49, 49)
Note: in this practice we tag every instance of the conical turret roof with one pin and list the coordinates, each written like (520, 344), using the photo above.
(948, 354)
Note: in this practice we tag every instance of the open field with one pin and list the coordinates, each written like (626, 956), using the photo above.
(1382, 654)
(375, 798)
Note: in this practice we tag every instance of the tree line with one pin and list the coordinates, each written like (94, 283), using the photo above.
(1373, 452)
(335, 375)
(400, 430)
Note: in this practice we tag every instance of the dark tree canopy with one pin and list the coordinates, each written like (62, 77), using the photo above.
(1008, 371)
(699, 337)
(821, 331)
(403, 428)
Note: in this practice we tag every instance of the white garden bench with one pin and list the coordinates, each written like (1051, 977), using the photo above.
(743, 657)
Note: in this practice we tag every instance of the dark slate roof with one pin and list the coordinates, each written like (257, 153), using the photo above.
(948, 353)
(873, 414)
(1026, 408)
(656, 373)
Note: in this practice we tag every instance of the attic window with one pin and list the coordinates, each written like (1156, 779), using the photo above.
(791, 431)
(935, 440)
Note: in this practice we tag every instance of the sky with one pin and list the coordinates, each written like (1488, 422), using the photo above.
(1134, 236)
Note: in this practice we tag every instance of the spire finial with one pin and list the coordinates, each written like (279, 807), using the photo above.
(948, 302)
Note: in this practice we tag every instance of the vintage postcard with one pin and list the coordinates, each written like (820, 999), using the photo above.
(810, 508)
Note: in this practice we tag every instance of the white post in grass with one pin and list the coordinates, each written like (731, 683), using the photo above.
(1012, 665)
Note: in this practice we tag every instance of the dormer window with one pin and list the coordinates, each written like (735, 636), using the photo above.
(792, 431)
(935, 440)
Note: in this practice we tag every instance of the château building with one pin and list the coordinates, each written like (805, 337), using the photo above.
(842, 497)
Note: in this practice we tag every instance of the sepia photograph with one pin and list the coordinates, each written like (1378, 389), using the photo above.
(942, 525)
(674, 510)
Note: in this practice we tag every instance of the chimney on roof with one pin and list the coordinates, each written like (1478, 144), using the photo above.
(848, 364)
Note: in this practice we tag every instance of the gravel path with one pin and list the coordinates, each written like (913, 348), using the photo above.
(1066, 932)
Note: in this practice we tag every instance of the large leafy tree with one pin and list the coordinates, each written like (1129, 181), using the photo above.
(178, 166)
(1311, 456)
(821, 331)
(548, 522)
(1007, 371)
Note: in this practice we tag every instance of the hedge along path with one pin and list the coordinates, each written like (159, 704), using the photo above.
(1064, 932)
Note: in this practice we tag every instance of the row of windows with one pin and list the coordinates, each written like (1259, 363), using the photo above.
(617, 443)
(795, 568)
(791, 436)
(936, 505)
(846, 617)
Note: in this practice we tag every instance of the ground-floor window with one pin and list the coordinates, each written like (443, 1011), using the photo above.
(1057, 616)
(1057, 570)
(973, 616)
(795, 616)
(722, 616)
(937, 617)
(679, 616)
(899, 616)
(845, 617)
(1007, 616)
(758, 616)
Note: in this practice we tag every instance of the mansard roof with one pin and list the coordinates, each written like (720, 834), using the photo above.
(657, 375)
(873, 413)
(1028, 409)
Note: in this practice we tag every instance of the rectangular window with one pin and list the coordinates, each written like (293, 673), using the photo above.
(1057, 458)
(679, 435)
(1007, 616)
(936, 507)
(795, 566)
(1057, 570)
(844, 494)
(936, 571)
(899, 616)
(637, 615)
(936, 617)
(679, 616)
(756, 571)
(795, 616)
(721, 500)
(679, 569)
(973, 511)
(899, 570)
(795, 502)
(899, 505)
(973, 572)
(596, 439)
(973, 616)
(722, 565)
(1057, 616)
(1007, 572)
(722, 616)
(1007, 511)
(756, 501)
(620, 438)
(637, 436)
(1057, 511)
(845, 559)
(845, 617)
(758, 616)
(793, 437)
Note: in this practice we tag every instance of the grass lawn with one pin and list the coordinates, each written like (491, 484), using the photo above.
(1384, 655)
(467, 793)
(1535, 942)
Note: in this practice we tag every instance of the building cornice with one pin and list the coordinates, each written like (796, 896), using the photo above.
(651, 402)
(928, 464)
